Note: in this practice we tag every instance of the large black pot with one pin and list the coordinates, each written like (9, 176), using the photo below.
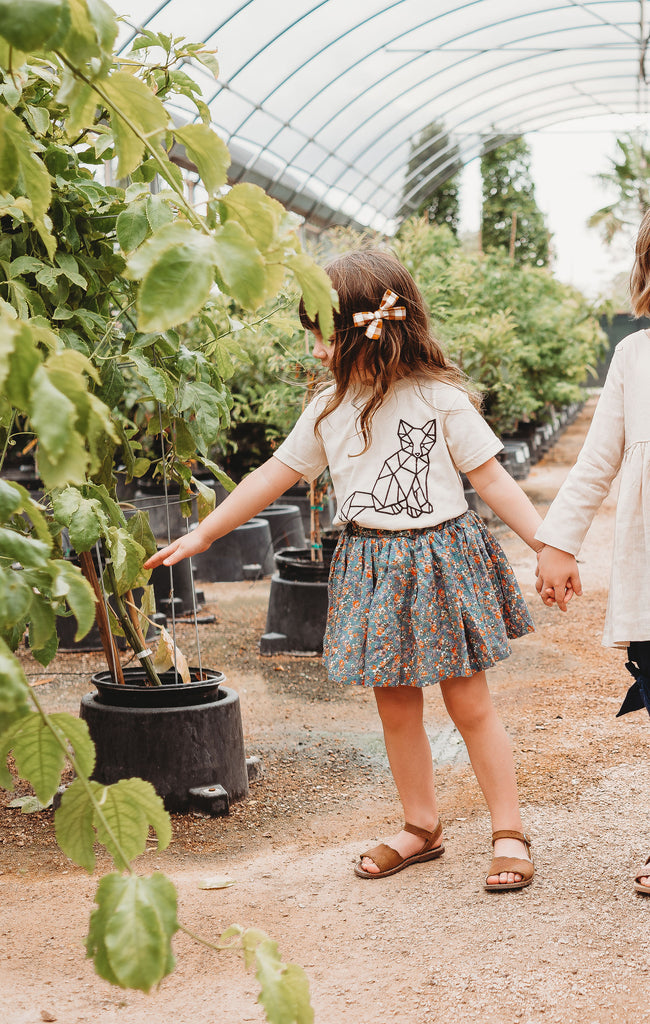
(244, 553)
(184, 738)
(298, 602)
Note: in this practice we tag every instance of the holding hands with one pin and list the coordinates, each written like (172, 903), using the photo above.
(558, 578)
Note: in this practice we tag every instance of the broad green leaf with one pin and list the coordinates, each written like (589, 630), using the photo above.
(14, 699)
(53, 415)
(90, 34)
(70, 584)
(132, 226)
(81, 100)
(38, 751)
(16, 597)
(318, 295)
(284, 989)
(33, 171)
(159, 212)
(240, 265)
(19, 360)
(42, 623)
(206, 500)
(28, 24)
(136, 115)
(84, 518)
(259, 214)
(127, 557)
(178, 283)
(129, 807)
(28, 551)
(154, 378)
(131, 931)
(139, 527)
(10, 500)
(73, 822)
(209, 153)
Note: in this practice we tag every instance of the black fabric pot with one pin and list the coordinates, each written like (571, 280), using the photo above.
(182, 738)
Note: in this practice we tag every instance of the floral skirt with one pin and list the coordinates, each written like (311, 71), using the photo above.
(414, 607)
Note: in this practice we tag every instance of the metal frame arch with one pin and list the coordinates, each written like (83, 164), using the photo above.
(418, 84)
(371, 171)
(518, 114)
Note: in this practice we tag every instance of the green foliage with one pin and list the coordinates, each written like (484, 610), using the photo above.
(284, 990)
(509, 204)
(629, 179)
(131, 930)
(96, 281)
(526, 339)
(432, 183)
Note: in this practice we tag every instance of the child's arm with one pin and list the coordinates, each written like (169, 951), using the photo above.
(558, 577)
(505, 497)
(253, 494)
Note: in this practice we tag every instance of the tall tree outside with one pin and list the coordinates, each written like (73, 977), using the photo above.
(629, 180)
(432, 180)
(512, 219)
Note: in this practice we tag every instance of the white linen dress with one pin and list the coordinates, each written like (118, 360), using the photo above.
(618, 439)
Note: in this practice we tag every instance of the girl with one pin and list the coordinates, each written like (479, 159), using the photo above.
(420, 592)
(618, 439)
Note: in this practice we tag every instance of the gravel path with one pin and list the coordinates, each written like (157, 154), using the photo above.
(427, 945)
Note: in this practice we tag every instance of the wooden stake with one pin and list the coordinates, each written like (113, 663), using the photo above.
(101, 617)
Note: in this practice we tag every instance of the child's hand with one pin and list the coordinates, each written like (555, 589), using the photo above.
(558, 578)
(175, 552)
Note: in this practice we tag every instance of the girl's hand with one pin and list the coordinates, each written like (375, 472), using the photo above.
(175, 552)
(558, 578)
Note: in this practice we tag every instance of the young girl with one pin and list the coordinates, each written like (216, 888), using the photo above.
(618, 439)
(420, 592)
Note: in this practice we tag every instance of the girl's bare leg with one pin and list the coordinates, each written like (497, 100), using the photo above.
(471, 709)
(409, 755)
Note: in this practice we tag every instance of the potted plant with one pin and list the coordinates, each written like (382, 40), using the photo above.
(94, 279)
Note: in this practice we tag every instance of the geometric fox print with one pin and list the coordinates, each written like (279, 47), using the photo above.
(402, 482)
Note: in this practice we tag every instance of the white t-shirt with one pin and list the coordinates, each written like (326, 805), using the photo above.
(423, 434)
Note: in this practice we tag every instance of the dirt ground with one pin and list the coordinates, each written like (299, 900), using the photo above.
(427, 945)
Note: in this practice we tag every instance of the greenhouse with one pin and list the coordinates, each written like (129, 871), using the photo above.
(324, 366)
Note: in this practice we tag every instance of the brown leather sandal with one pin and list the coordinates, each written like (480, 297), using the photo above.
(389, 861)
(643, 872)
(518, 865)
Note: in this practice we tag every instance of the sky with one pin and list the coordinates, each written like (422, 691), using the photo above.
(564, 166)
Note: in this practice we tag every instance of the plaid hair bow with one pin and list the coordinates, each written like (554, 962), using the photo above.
(387, 311)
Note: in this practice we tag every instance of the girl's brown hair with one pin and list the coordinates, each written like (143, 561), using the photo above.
(405, 348)
(640, 276)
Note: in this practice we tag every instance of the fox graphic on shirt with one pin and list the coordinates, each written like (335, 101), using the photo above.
(402, 484)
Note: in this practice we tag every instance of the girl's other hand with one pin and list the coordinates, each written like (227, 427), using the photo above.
(558, 578)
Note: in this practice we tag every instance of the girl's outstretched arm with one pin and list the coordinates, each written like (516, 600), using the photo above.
(254, 493)
(505, 497)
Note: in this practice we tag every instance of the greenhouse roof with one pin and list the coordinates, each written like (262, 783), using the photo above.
(323, 101)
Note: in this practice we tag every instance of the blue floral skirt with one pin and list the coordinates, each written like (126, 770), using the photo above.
(414, 607)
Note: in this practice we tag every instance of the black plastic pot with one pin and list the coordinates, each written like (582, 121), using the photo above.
(300, 495)
(177, 578)
(184, 738)
(245, 553)
(286, 526)
(298, 602)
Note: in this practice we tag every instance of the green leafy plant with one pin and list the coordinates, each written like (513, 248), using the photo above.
(526, 339)
(96, 280)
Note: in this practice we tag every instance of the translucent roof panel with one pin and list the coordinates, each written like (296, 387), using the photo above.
(323, 101)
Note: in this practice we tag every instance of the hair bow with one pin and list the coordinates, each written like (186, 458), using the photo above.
(387, 311)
